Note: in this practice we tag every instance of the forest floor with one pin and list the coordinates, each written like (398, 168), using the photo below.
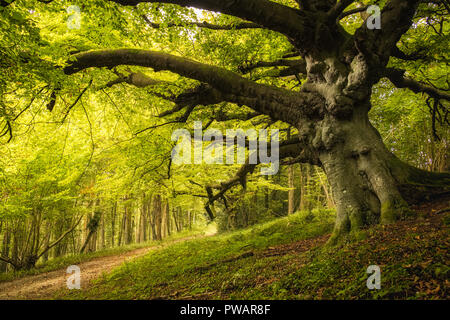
(44, 285)
(288, 259)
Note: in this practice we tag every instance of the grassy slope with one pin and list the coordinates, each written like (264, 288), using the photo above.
(73, 259)
(289, 261)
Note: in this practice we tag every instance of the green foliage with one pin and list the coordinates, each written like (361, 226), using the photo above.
(109, 143)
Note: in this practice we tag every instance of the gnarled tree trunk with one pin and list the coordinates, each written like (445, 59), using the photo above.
(369, 183)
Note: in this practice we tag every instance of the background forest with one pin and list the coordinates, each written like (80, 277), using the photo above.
(88, 167)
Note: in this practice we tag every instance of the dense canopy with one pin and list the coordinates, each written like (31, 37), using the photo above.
(91, 92)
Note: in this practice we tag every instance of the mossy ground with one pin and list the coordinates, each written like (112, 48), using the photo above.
(289, 259)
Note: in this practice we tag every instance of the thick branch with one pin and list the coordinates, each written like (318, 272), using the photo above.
(4, 3)
(268, 14)
(206, 25)
(291, 55)
(352, 11)
(278, 103)
(396, 19)
(399, 54)
(298, 65)
(396, 76)
(223, 117)
(137, 79)
(280, 73)
(340, 6)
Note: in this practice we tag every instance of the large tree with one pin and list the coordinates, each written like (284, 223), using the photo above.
(330, 111)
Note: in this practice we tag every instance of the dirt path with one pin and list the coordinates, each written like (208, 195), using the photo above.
(45, 285)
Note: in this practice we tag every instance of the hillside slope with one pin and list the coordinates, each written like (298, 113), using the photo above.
(288, 259)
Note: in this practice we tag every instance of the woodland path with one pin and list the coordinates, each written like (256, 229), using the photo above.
(45, 285)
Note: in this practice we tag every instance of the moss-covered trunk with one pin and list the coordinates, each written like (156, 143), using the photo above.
(370, 185)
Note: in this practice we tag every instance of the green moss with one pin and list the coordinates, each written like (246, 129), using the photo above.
(407, 174)
(388, 213)
(359, 235)
(341, 229)
(356, 219)
(394, 210)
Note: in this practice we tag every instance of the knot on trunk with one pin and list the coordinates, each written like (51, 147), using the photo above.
(363, 151)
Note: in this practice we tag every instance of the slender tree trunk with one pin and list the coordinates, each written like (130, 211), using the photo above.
(291, 192)
(91, 238)
(158, 217)
(163, 219)
(291, 186)
(189, 220)
(167, 215)
(140, 232)
(145, 221)
(175, 218)
(303, 182)
(156, 220)
(113, 223)
(129, 225)
(121, 230)
(15, 247)
(148, 217)
(47, 240)
(102, 231)
(5, 246)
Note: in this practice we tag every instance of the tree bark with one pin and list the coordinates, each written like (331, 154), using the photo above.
(5, 246)
(302, 204)
(113, 223)
(291, 192)
(176, 219)
(167, 215)
(157, 218)
(366, 178)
